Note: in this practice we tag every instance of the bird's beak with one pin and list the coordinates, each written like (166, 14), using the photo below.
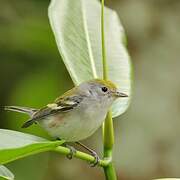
(119, 94)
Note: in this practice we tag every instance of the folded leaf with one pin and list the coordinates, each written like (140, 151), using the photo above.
(15, 145)
(5, 173)
(77, 29)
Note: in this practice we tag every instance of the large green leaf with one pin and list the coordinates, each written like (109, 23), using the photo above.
(5, 173)
(77, 29)
(15, 145)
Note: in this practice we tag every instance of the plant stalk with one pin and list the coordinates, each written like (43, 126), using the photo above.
(108, 130)
(82, 156)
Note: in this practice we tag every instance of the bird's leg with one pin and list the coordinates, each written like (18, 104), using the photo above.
(93, 153)
(71, 148)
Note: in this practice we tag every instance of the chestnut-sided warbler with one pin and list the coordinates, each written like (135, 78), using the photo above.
(76, 114)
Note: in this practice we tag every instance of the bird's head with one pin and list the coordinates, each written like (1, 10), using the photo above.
(103, 90)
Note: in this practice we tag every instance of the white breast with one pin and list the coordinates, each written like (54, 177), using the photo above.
(77, 124)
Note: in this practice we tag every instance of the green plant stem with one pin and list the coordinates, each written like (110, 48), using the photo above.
(108, 139)
(108, 133)
(108, 130)
(104, 62)
(83, 156)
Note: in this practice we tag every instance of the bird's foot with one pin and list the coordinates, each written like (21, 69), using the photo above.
(71, 148)
(92, 152)
(72, 151)
(96, 159)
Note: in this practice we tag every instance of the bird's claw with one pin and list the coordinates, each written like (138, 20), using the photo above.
(96, 159)
(72, 152)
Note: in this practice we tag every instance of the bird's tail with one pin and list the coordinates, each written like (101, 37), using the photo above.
(26, 110)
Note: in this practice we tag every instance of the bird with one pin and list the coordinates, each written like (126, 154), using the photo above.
(78, 113)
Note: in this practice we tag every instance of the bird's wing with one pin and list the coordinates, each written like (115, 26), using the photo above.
(62, 105)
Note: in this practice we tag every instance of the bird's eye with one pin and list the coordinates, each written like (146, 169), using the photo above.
(104, 89)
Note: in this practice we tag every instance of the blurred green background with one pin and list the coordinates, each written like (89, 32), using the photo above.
(32, 74)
